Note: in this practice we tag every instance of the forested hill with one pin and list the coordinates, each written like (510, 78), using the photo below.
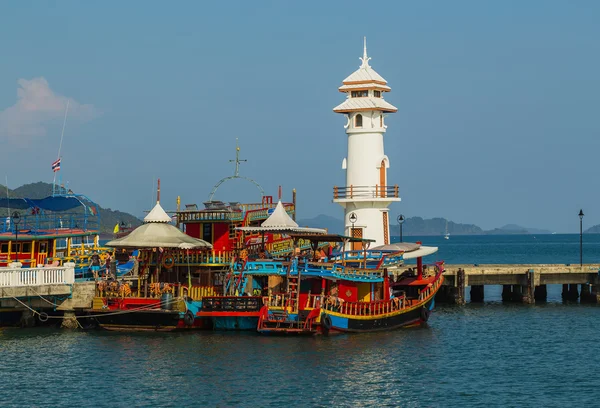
(108, 218)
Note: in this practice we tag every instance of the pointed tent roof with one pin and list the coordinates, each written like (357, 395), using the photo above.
(157, 232)
(157, 214)
(280, 220)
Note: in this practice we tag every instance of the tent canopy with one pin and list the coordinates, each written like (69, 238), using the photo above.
(157, 232)
(280, 221)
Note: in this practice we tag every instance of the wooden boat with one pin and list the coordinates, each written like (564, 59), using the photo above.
(324, 297)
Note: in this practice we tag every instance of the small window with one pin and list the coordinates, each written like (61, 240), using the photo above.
(4, 248)
(381, 120)
(377, 94)
(207, 232)
(359, 94)
(16, 247)
(26, 247)
(358, 121)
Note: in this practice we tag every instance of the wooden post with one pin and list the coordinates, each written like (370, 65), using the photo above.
(386, 285)
(294, 202)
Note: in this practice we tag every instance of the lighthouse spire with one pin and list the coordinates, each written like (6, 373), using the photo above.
(365, 59)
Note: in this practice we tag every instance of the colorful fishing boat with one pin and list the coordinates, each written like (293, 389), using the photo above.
(329, 297)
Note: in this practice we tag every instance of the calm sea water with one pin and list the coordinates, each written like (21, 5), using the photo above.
(476, 355)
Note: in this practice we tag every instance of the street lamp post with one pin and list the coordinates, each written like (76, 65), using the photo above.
(581, 238)
(400, 222)
(16, 218)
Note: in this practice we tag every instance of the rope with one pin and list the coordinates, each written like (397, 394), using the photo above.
(138, 309)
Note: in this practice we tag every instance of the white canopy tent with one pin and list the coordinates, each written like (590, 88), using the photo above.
(158, 232)
(280, 221)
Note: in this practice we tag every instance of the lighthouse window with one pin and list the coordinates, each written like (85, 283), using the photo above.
(381, 120)
(358, 121)
(359, 94)
(377, 94)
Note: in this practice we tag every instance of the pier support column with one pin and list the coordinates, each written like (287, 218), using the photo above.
(517, 293)
(528, 289)
(540, 293)
(595, 295)
(69, 320)
(27, 319)
(573, 292)
(477, 293)
(507, 293)
(565, 292)
(459, 292)
(586, 294)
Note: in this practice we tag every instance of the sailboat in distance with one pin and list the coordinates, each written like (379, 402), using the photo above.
(447, 234)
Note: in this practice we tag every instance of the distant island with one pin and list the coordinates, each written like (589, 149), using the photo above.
(432, 226)
(412, 226)
(108, 218)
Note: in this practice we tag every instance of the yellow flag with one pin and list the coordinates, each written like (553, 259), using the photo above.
(116, 229)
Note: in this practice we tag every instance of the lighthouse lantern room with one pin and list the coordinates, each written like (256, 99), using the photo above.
(367, 193)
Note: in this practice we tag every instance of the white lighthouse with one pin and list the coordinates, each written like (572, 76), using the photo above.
(367, 193)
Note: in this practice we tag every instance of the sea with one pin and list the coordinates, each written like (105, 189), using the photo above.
(477, 355)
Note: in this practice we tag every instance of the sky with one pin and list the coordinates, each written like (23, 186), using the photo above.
(498, 102)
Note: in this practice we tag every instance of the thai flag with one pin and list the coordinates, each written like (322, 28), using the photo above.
(56, 166)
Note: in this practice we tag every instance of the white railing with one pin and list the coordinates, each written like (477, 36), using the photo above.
(15, 276)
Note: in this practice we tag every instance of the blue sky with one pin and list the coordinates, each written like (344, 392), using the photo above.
(497, 102)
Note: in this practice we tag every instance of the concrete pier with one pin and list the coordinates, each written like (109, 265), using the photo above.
(522, 283)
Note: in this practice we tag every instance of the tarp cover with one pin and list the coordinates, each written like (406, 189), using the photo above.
(60, 203)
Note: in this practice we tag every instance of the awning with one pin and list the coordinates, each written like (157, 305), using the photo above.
(158, 235)
(423, 251)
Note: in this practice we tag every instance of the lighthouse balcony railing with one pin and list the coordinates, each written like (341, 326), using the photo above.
(375, 191)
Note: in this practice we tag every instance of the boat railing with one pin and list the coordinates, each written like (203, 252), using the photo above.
(198, 292)
(183, 257)
(15, 276)
(313, 301)
(52, 223)
(280, 300)
(375, 191)
(231, 303)
(431, 288)
(375, 308)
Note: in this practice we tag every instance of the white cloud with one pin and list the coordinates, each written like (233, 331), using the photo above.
(36, 108)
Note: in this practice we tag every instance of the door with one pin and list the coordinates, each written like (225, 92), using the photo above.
(42, 252)
(382, 179)
(357, 233)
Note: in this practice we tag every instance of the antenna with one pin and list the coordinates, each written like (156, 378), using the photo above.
(158, 192)
(237, 159)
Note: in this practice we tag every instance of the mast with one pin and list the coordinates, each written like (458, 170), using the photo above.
(62, 134)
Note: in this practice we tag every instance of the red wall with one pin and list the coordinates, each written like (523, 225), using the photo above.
(344, 287)
(221, 237)
(193, 230)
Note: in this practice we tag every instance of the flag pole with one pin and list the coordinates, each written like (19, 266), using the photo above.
(62, 134)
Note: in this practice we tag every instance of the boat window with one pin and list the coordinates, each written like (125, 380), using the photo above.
(16, 247)
(4, 248)
(359, 94)
(358, 120)
(26, 247)
(377, 94)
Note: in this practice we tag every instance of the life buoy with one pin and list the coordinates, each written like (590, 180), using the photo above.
(424, 314)
(168, 261)
(325, 323)
(188, 318)
(43, 317)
